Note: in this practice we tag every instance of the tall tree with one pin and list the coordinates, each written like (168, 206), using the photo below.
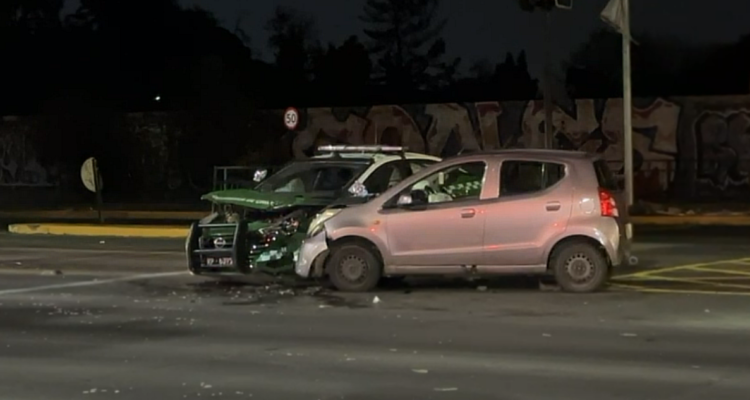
(343, 72)
(509, 80)
(292, 37)
(405, 38)
(662, 66)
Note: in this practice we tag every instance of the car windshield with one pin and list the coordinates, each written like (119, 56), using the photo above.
(313, 176)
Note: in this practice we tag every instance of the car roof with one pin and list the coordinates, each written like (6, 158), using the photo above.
(571, 155)
(374, 156)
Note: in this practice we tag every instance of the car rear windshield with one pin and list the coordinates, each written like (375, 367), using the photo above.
(604, 176)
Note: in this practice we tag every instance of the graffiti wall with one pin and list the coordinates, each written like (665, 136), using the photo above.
(693, 148)
(19, 165)
(686, 145)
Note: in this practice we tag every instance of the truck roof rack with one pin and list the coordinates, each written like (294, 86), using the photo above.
(337, 149)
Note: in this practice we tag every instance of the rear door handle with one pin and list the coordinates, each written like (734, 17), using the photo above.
(553, 206)
(468, 213)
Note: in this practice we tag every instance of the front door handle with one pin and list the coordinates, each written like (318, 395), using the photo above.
(553, 206)
(468, 213)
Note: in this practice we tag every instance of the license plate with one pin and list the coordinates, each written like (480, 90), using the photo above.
(219, 261)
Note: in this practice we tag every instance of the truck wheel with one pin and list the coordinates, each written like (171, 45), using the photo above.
(353, 268)
(579, 267)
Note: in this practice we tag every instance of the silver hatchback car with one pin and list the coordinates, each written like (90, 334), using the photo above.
(528, 212)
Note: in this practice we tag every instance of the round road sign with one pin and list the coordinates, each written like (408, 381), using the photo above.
(291, 118)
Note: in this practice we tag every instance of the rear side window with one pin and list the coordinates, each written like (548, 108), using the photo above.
(604, 176)
(524, 177)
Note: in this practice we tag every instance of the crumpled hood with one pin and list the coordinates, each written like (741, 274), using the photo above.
(265, 200)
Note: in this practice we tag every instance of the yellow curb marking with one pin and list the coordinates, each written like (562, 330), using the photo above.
(641, 289)
(638, 281)
(721, 271)
(148, 231)
(651, 272)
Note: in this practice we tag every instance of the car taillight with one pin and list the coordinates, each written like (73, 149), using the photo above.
(607, 204)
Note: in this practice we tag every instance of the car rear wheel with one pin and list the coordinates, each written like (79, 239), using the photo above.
(579, 267)
(353, 268)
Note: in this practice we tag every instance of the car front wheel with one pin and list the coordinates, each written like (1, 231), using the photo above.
(353, 267)
(579, 267)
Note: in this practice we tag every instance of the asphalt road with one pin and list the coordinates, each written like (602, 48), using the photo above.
(120, 319)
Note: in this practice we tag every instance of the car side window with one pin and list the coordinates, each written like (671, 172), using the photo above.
(418, 165)
(385, 176)
(524, 177)
(455, 183)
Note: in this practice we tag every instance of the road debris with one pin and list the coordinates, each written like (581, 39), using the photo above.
(420, 371)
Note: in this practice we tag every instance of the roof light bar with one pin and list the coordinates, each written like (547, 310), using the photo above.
(364, 149)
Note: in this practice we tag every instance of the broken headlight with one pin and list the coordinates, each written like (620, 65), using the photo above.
(286, 227)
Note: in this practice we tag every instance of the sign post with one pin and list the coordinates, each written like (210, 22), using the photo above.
(291, 118)
(92, 180)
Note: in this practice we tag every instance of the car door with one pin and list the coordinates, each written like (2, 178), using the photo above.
(448, 230)
(533, 206)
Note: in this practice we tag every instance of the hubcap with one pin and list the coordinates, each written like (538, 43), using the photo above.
(353, 269)
(580, 268)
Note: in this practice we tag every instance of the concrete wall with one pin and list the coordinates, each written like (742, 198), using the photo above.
(691, 147)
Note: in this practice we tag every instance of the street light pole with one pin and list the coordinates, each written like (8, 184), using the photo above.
(627, 103)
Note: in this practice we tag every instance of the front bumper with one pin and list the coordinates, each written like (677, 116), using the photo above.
(241, 253)
(311, 253)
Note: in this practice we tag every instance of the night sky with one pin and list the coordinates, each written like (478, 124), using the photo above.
(490, 28)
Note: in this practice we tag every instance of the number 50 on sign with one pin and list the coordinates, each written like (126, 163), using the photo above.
(291, 118)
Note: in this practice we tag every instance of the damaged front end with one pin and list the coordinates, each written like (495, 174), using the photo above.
(252, 232)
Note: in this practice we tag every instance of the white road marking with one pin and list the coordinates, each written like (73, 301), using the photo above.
(94, 282)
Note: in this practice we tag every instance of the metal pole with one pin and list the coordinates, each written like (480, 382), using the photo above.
(627, 111)
(547, 84)
(627, 103)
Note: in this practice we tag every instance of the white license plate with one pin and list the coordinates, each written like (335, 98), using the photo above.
(219, 261)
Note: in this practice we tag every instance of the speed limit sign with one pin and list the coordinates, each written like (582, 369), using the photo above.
(291, 118)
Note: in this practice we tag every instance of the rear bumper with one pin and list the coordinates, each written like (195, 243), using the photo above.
(616, 240)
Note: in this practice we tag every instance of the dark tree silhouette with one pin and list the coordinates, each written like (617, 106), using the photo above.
(292, 38)
(661, 66)
(509, 80)
(405, 40)
(343, 72)
(29, 44)
(534, 5)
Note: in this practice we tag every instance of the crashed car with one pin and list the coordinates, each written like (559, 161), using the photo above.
(546, 213)
(260, 229)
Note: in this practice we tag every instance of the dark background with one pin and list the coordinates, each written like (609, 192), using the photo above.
(72, 71)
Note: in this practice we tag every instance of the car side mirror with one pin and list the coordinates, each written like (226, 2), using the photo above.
(414, 198)
(419, 197)
(259, 175)
(404, 200)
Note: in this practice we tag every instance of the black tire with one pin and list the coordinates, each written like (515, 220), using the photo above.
(353, 267)
(579, 267)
